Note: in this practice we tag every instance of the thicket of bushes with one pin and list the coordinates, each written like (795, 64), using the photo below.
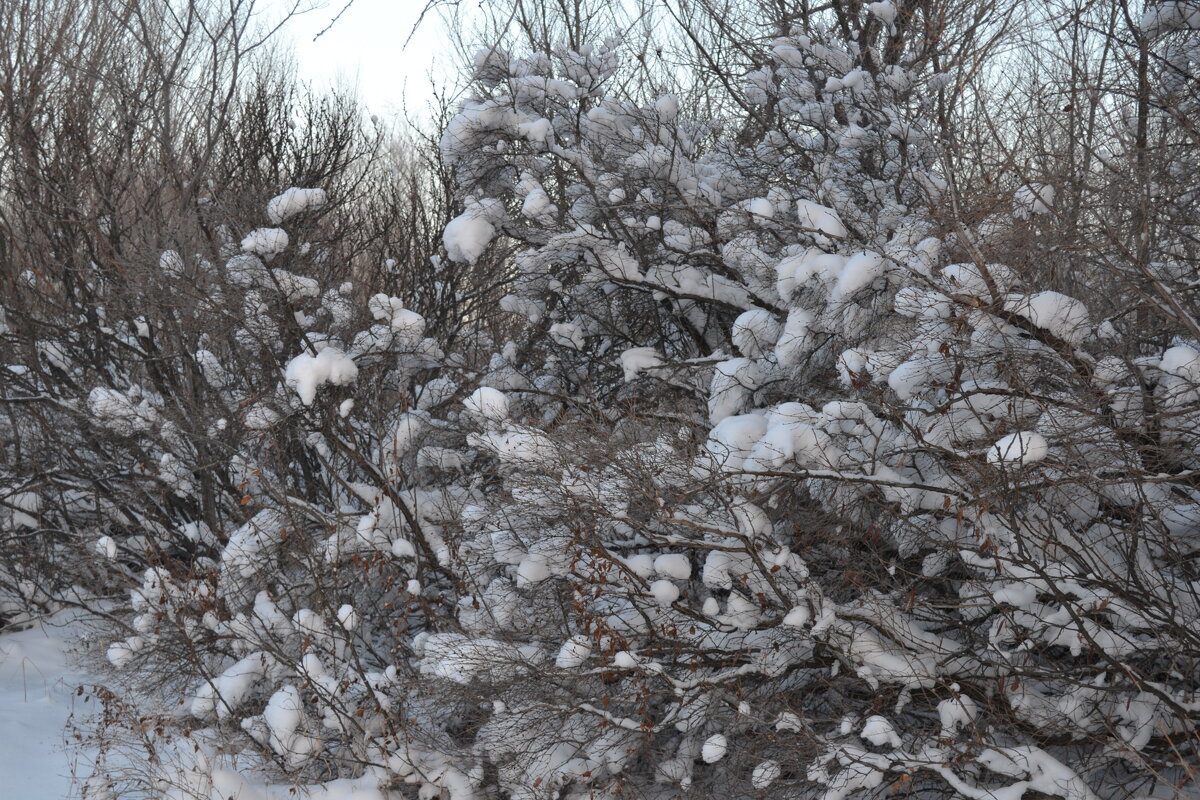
(754, 398)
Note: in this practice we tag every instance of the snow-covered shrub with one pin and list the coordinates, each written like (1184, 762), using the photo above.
(832, 500)
(780, 484)
(141, 345)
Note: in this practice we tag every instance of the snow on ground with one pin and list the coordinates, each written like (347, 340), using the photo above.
(37, 695)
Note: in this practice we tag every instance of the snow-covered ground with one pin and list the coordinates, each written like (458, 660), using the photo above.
(38, 682)
(37, 695)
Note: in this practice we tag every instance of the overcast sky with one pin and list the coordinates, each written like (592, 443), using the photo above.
(367, 47)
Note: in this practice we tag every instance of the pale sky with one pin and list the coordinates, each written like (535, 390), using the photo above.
(366, 47)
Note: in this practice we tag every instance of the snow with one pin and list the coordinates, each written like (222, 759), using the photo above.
(795, 339)
(860, 271)
(879, 731)
(230, 783)
(460, 659)
(731, 440)
(755, 332)
(574, 652)
(537, 203)
(347, 617)
(488, 403)
(567, 334)
(733, 383)
(761, 207)
(37, 696)
(714, 748)
(912, 301)
(636, 360)
(673, 565)
(1043, 772)
(468, 235)
(915, 374)
(267, 242)
(641, 565)
(740, 612)
(409, 324)
(294, 201)
(795, 271)
(955, 713)
(625, 659)
(1063, 316)
(170, 263)
(283, 715)
(1033, 198)
(816, 217)
(528, 308)
(970, 278)
(667, 107)
(107, 547)
(120, 412)
(306, 373)
(246, 271)
(797, 618)
(765, 774)
(1169, 16)
(884, 11)
(228, 690)
(1019, 448)
(1182, 361)
(532, 570)
(619, 263)
(539, 131)
(664, 592)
